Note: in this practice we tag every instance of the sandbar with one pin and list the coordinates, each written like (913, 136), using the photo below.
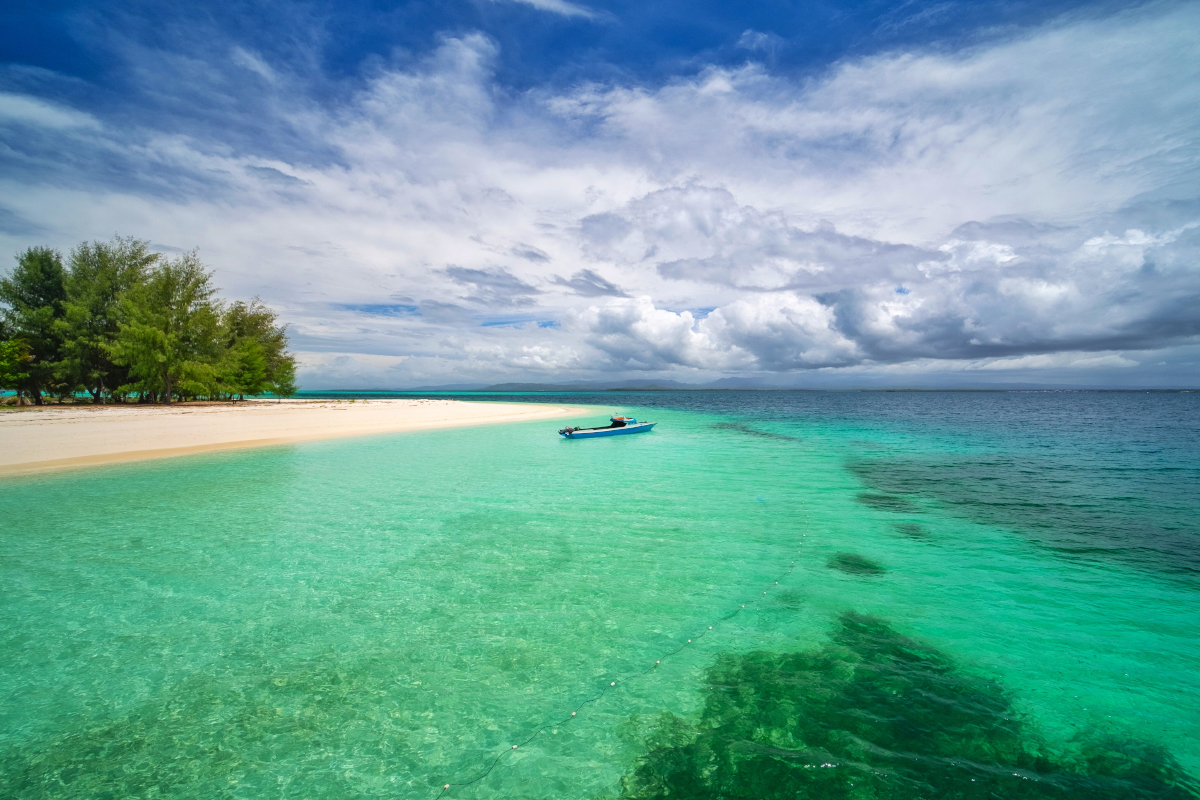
(58, 437)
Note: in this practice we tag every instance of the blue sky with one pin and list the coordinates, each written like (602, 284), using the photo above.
(818, 193)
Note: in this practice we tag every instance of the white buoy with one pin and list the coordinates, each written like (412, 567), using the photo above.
(514, 747)
(572, 713)
(614, 683)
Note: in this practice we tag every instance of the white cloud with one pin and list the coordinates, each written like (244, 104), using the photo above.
(25, 110)
(1056, 361)
(253, 62)
(1001, 205)
(557, 7)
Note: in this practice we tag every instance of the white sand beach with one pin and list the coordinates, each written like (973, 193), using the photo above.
(53, 437)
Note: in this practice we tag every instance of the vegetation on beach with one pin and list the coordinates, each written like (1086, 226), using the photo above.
(118, 321)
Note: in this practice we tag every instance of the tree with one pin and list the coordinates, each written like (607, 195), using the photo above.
(253, 331)
(283, 381)
(34, 294)
(244, 370)
(168, 334)
(99, 276)
(14, 356)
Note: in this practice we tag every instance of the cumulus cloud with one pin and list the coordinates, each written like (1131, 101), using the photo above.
(702, 234)
(1031, 204)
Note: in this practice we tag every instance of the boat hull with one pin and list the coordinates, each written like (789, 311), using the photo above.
(638, 427)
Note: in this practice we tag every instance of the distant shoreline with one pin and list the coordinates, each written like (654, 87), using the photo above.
(48, 438)
(382, 393)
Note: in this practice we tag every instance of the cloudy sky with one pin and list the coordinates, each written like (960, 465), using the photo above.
(805, 193)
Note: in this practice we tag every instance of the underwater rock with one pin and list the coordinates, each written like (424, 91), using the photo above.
(746, 429)
(854, 564)
(877, 715)
(1027, 494)
(886, 502)
(912, 529)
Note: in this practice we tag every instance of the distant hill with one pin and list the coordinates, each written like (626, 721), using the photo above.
(450, 387)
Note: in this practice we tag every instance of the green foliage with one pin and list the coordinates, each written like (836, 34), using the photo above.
(283, 381)
(121, 320)
(34, 295)
(14, 356)
(257, 359)
(878, 716)
(98, 277)
(168, 335)
(244, 370)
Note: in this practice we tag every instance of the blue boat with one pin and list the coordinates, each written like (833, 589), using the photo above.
(619, 425)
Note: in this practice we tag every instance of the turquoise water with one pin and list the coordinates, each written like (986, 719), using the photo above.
(939, 591)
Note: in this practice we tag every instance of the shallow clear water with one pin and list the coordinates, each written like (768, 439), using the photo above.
(385, 615)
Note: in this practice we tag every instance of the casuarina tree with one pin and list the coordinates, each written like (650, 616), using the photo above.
(99, 275)
(168, 335)
(34, 295)
(257, 359)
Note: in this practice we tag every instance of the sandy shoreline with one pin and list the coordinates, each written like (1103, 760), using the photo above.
(57, 438)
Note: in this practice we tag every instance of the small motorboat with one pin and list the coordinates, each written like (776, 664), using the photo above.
(619, 425)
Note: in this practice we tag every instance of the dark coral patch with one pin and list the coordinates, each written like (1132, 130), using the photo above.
(886, 502)
(746, 429)
(854, 564)
(877, 715)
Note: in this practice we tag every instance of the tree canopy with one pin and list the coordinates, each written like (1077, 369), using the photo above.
(34, 295)
(119, 321)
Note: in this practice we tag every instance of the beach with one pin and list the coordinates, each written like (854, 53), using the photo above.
(53, 437)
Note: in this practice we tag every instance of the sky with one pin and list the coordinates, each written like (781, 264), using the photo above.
(810, 194)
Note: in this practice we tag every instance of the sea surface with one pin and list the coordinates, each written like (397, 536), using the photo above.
(773, 594)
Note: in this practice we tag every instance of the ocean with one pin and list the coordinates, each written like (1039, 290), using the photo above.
(773, 594)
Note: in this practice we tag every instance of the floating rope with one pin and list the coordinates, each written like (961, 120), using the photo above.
(612, 685)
